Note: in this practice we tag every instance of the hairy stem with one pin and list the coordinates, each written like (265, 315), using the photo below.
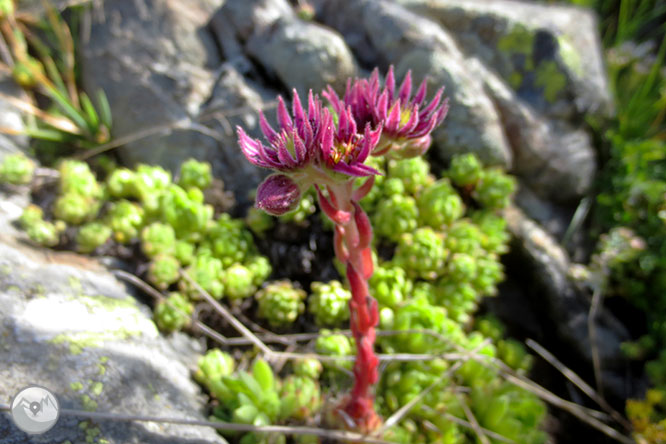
(353, 236)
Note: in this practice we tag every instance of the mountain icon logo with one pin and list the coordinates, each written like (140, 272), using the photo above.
(35, 409)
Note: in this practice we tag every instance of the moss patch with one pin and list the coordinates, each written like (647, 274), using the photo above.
(551, 79)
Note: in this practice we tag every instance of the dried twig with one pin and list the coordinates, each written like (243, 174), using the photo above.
(235, 323)
(578, 381)
(399, 414)
(472, 420)
(466, 424)
(163, 129)
(595, 307)
(340, 435)
(61, 123)
(591, 417)
(167, 128)
(148, 289)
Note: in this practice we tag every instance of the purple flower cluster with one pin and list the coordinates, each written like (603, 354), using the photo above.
(327, 146)
(406, 123)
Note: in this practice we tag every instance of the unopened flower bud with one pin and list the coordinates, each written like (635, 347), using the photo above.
(278, 194)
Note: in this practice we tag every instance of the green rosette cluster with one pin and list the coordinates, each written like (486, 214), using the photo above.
(329, 303)
(280, 303)
(257, 397)
(16, 169)
(448, 235)
(170, 223)
(173, 313)
(40, 231)
(80, 196)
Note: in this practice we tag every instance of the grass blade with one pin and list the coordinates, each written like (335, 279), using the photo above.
(89, 109)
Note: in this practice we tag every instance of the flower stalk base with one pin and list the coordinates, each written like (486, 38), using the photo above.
(353, 236)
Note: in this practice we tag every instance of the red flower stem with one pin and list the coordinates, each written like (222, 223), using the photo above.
(352, 240)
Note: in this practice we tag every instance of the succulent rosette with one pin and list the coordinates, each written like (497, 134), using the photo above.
(406, 121)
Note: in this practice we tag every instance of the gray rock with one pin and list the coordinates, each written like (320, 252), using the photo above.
(247, 18)
(552, 217)
(472, 123)
(155, 60)
(299, 54)
(519, 76)
(547, 265)
(551, 55)
(556, 160)
(384, 33)
(303, 55)
(69, 325)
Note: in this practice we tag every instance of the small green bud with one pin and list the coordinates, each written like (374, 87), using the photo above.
(514, 355)
(495, 189)
(229, 240)
(163, 271)
(207, 272)
(308, 367)
(91, 236)
(125, 219)
(16, 169)
(421, 253)
(419, 314)
(439, 204)
(495, 235)
(458, 297)
(414, 172)
(121, 183)
(31, 214)
(462, 267)
(390, 285)
(211, 368)
(238, 282)
(195, 174)
(280, 303)
(464, 237)
(395, 216)
(490, 273)
(77, 178)
(386, 318)
(465, 170)
(173, 313)
(184, 252)
(150, 178)
(392, 186)
(44, 233)
(75, 208)
(260, 267)
(300, 397)
(335, 344)
(185, 212)
(158, 238)
(329, 303)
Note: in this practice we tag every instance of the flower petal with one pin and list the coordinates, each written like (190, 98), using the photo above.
(266, 128)
(390, 83)
(406, 88)
(283, 115)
